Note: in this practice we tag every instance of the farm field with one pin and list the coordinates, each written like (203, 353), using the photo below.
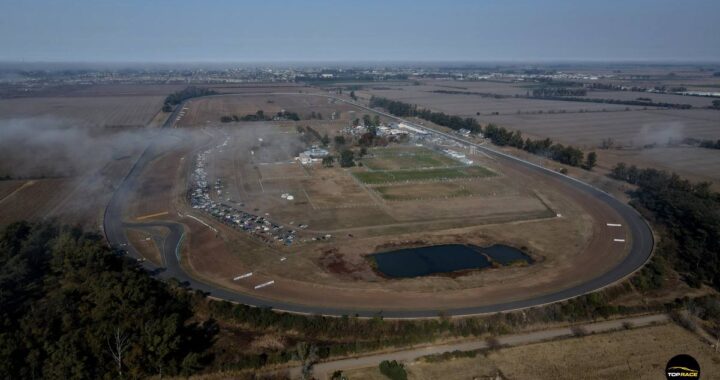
(33, 199)
(693, 163)
(639, 354)
(209, 110)
(469, 105)
(462, 172)
(635, 128)
(93, 112)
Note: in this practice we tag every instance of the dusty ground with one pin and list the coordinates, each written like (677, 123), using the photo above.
(640, 353)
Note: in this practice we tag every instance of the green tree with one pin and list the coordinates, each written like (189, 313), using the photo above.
(347, 158)
(590, 161)
(366, 120)
(393, 370)
(339, 140)
(328, 161)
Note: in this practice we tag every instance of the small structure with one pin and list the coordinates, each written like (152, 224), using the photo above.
(413, 130)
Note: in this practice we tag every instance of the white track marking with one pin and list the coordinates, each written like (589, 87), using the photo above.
(614, 225)
(240, 277)
(619, 240)
(264, 284)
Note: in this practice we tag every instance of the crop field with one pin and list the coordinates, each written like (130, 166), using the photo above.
(693, 163)
(461, 172)
(99, 111)
(33, 199)
(395, 159)
(635, 128)
(469, 105)
(209, 110)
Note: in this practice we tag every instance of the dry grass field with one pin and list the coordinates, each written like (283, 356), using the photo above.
(33, 199)
(209, 110)
(635, 128)
(632, 354)
(470, 104)
(94, 112)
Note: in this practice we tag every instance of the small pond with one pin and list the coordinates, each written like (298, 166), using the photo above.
(448, 258)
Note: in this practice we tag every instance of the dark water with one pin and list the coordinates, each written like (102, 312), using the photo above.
(423, 261)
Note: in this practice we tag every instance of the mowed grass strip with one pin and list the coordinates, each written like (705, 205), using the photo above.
(408, 161)
(399, 158)
(378, 177)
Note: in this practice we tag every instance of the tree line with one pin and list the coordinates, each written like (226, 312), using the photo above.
(567, 155)
(72, 309)
(260, 115)
(545, 92)
(500, 136)
(403, 109)
(188, 92)
(689, 216)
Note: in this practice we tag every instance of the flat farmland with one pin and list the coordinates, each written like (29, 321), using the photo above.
(468, 105)
(695, 101)
(460, 172)
(209, 110)
(33, 199)
(99, 111)
(635, 127)
(694, 163)
(8, 187)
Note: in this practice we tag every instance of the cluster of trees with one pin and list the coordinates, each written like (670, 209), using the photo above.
(545, 92)
(689, 215)
(480, 94)
(71, 309)
(261, 116)
(707, 144)
(188, 92)
(403, 109)
(568, 155)
(347, 158)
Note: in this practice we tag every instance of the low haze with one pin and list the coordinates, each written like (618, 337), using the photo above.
(253, 31)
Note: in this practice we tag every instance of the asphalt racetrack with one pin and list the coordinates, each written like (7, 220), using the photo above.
(637, 228)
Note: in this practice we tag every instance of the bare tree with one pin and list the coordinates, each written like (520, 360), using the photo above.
(117, 347)
(307, 354)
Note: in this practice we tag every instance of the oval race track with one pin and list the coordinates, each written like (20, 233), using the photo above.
(640, 250)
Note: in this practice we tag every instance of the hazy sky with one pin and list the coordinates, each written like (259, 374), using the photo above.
(360, 30)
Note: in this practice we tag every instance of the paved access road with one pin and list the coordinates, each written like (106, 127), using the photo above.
(325, 370)
(637, 228)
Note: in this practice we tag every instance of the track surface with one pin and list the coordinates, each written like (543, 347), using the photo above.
(640, 251)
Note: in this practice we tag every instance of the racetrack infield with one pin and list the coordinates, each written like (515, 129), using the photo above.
(601, 263)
